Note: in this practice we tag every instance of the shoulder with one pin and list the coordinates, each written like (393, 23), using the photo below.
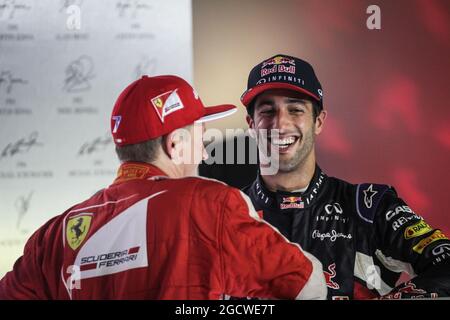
(215, 193)
(47, 230)
(218, 187)
(205, 187)
(202, 182)
(367, 197)
(247, 188)
(47, 237)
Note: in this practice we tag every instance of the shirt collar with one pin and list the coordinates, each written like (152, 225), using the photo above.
(290, 200)
(137, 171)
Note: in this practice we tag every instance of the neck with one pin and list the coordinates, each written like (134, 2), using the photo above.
(172, 170)
(293, 180)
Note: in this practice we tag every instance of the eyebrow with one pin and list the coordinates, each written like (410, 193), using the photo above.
(265, 102)
(288, 100)
(295, 100)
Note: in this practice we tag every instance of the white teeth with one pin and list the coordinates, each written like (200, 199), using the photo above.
(284, 141)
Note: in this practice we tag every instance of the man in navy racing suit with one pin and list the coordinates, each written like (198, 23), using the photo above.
(370, 242)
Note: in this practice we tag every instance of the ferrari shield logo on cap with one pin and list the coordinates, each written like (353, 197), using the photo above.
(158, 102)
(77, 229)
(167, 103)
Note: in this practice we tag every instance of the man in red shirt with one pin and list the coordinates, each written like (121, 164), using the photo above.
(156, 233)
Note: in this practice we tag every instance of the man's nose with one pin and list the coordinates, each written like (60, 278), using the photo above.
(282, 120)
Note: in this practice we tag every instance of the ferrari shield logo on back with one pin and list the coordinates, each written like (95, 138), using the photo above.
(77, 229)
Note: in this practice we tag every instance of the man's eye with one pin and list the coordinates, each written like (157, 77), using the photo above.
(297, 111)
(269, 111)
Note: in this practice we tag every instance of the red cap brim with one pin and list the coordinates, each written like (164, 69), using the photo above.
(217, 112)
(249, 95)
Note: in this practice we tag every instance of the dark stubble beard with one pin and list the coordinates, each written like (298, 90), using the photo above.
(300, 155)
(287, 165)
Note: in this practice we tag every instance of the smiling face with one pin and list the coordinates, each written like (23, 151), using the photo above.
(288, 118)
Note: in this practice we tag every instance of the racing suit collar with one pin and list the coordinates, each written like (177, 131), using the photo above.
(289, 200)
(137, 170)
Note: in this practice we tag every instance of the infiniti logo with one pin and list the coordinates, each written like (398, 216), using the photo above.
(333, 208)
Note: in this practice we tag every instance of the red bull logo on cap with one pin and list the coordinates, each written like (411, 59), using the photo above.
(292, 203)
(278, 60)
(278, 64)
(291, 199)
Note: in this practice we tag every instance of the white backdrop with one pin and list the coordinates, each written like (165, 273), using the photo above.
(62, 65)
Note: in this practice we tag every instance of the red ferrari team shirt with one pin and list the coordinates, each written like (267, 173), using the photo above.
(148, 236)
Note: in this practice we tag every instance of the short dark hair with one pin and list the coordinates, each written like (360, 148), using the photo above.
(316, 109)
(146, 151)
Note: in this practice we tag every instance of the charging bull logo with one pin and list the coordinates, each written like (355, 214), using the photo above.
(291, 199)
(409, 291)
(410, 288)
(77, 229)
(278, 64)
(278, 60)
(292, 203)
(329, 275)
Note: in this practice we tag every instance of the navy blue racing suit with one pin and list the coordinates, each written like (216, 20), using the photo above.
(370, 243)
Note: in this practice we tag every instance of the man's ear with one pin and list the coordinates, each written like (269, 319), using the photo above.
(170, 144)
(320, 121)
(251, 126)
(166, 144)
(250, 121)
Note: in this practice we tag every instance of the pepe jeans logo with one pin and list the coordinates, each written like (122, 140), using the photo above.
(333, 235)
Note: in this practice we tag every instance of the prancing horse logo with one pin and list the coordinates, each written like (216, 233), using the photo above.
(77, 229)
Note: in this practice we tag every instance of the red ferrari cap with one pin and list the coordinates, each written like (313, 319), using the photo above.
(154, 106)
